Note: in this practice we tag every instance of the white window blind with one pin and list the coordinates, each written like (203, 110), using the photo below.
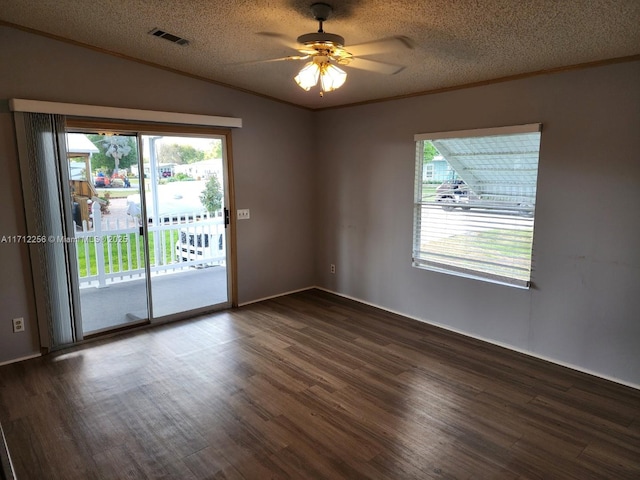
(475, 195)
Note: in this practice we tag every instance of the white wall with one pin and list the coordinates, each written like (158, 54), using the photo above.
(585, 307)
(273, 170)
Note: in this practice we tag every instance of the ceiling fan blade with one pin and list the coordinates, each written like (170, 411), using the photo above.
(380, 46)
(279, 38)
(307, 51)
(269, 60)
(375, 66)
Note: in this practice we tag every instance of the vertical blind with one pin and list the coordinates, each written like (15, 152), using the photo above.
(41, 149)
(475, 195)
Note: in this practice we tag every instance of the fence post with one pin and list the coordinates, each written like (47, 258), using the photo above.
(97, 238)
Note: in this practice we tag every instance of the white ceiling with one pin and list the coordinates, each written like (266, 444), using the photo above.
(456, 42)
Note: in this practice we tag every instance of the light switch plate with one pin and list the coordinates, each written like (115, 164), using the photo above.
(244, 214)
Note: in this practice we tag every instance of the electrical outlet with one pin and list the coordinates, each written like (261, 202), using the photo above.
(333, 268)
(244, 214)
(18, 325)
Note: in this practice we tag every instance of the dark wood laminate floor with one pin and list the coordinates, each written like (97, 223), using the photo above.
(311, 386)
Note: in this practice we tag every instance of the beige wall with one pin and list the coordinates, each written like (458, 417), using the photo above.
(585, 307)
(273, 169)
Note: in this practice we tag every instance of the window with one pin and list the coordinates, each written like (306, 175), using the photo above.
(475, 198)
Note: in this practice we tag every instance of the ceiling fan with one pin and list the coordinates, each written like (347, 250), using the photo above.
(325, 51)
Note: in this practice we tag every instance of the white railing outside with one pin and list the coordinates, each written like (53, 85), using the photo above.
(113, 250)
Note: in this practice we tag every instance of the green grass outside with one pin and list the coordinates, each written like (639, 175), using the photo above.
(117, 193)
(120, 243)
(428, 191)
(502, 246)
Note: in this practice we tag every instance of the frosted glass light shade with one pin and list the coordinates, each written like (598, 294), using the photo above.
(332, 77)
(308, 76)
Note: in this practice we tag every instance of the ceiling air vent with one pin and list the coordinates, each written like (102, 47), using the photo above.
(156, 32)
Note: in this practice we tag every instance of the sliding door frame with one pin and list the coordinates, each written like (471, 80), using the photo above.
(86, 125)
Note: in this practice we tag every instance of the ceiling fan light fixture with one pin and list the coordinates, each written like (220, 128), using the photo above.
(332, 77)
(308, 76)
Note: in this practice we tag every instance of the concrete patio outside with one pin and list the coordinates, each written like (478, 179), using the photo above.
(124, 303)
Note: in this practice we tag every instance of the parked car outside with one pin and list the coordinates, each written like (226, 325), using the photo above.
(196, 244)
(176, 200)
(457, 194)
(102, 181)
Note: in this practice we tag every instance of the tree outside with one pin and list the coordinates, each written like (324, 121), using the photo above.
(211, 196)
(216, 150)
(116, 151)
(179, 154)
(185, 154)
(429, 152)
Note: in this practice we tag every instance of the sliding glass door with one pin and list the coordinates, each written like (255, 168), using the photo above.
(151, 237)
(185, 198)
(110, 248)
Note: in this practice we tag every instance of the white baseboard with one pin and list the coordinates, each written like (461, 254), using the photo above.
(444, 327)
(20, 359)
(276, 296)
(493, 342)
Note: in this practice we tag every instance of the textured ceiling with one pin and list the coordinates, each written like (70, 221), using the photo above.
(455, 42)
